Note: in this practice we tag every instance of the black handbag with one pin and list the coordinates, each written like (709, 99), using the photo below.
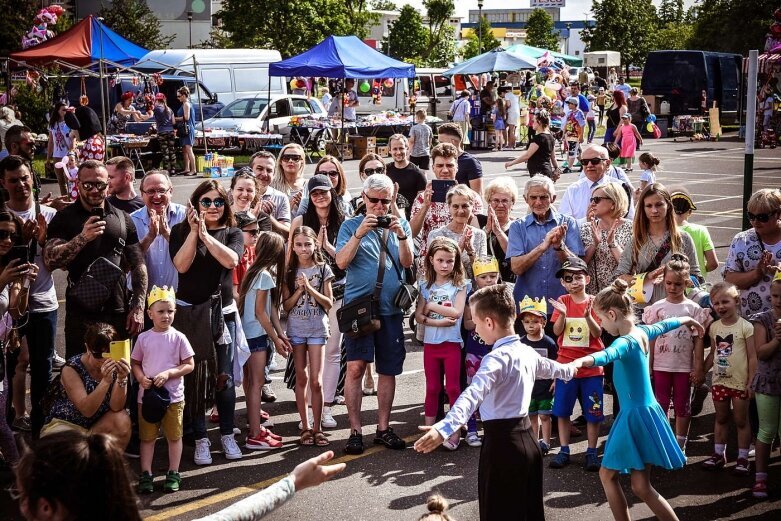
(100, 280)
(407, 293)
(182, 129)
(361, 316)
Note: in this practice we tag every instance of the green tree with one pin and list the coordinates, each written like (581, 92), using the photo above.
(673, 36)
(444, 54)
(406, 37)
(625, 26)
(670, 12)
(359, 17)
(474, 46)
(438, 13)
(540, 32)
(732, 25)
(15, 23)
(289, 27)
(383, 5)
(133, 19)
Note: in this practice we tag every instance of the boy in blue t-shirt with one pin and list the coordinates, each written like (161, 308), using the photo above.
(534, 314)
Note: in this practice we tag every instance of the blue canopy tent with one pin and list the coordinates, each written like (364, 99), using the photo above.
(342, 57)
(497, 60)
(533, 53)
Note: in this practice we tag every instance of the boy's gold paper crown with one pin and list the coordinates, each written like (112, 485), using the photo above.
(485, 265)
(529, 305)
(163, 293)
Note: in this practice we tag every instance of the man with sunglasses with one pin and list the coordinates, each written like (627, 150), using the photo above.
(577, 197)
(86, 230)
(358, 251)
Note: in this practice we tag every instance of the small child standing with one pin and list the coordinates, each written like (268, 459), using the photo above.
(440, 307)
(498, 115)
(579, 335)
(591, 118)
(534, 314)
(420, 137)
(734, 362)
(676, 357)
(766, 383)
(307, 300)
(573, 131)
(630, 137)
(160, 358)
(486, 273)
(510, 470)
(650, 164)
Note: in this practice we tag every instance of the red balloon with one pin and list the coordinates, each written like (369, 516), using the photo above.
(300, 83)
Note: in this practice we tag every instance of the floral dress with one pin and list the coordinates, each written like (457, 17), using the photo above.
(603, 264)
(744, 254)
(62, 408)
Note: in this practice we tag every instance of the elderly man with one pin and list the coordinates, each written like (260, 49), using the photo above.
(470, 171)
(359, 251)
(86, 230)
(122, 195)
(538, 244)
(596, 163)
(153, 223)
(41, 324)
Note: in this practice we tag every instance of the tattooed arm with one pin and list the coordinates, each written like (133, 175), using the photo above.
(139, 281)
(58, 253)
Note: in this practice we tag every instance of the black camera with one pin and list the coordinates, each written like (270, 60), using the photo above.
(383, 221)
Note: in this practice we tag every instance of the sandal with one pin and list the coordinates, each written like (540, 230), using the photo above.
(307, 438)
(320, 439)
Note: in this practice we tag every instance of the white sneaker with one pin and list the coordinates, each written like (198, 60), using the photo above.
(328, 421)
(473, 440)
(230, 447)
(203, 455)
(452, 442)
(236, 431)
(311, 417)
(751, 451)
(57, 360)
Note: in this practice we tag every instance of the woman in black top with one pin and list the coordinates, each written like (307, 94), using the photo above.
(205, 248)
(540, 157)
(614, 114)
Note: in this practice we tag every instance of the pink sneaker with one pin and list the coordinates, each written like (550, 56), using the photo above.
(715, 462)
(262, 442)
(759, 490)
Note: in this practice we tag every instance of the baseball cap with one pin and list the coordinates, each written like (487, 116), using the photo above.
(572, 264)
(154, 404)
(572, 99)
(244, 219)
(319, 182)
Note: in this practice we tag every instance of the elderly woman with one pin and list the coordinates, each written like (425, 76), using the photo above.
(470, 239)
(428, 215)
(540, 157)
(270, 200)
(501, 195)
(91, 394)
(124, 111)
(755, 254)
(655, 237)
(205, 249)
(605, 233)
(289, 174)
(185, 118)
(332, 168)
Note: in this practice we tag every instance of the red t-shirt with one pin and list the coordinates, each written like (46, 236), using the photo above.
(246, 260)
(576, 341)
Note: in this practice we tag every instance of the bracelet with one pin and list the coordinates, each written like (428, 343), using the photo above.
(122, 383)
(356, 236)
(404, 238)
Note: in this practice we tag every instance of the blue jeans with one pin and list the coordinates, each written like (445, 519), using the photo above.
(592, 129)
(225, 395)
(40, 331)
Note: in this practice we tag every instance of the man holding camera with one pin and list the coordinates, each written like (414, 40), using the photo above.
(359, 251)
(92, 240)
(40, 326)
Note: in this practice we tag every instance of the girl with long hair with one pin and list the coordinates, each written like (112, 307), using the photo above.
(60, 143)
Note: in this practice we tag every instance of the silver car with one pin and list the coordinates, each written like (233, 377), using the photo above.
(248, 115)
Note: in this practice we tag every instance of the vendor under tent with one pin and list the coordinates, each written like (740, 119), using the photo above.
(497, 60)
(532, 53)
(342, 57)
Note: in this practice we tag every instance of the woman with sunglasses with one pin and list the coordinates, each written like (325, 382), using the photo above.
(755, 255)
(655, 237)
(271, 201)
(325, 215)
(289, 174)
(372, 164)
(90, 396)
(331, 167)
(205, 249)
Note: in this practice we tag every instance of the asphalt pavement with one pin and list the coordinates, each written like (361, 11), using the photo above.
(384, 484)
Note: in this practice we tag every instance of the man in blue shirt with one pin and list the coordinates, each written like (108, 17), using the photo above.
(358, 251)
(539, 243)
(583, 104)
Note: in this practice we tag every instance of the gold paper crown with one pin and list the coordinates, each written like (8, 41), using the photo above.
(485, 265)
(777, 276)
(163, 293)
(530, 305)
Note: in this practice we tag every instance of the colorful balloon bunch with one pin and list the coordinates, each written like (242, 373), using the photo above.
(40, 31)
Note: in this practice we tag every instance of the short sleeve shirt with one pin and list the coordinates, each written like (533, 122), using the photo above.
(444, 295)
(673, 350)
(468, 168)
(249, 321)
(307, 318)
(159, 351)
(730, 360)
(702, 242)
(576, 340)
(744, 254)
(410, 179)
(422, 135)
(281, 204)
(43, 296)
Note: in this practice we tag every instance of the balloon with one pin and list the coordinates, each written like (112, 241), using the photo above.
(300, 83)
(651, 118)
(387, 83)
(293, 84)
(649, 127)
(364, 87)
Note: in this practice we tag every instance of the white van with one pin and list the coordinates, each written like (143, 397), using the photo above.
(434, 93)
(229, 73)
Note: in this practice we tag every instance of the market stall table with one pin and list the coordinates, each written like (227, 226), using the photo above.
(130, 146)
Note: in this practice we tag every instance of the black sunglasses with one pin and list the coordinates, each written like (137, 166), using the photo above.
(90, 185)
(290, 157)
(592, 161)
(5, 234)
(761, 217)
(218, 202)
(375, 200)
(372, 171)
(254, 232)
(598, 199)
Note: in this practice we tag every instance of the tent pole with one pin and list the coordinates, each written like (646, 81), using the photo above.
(103, 100)
(268, 108)
(200, 106)
(342, 137)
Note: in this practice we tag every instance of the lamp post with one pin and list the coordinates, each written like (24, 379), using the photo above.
(568, 25)
(479, 27)
(190, 27)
